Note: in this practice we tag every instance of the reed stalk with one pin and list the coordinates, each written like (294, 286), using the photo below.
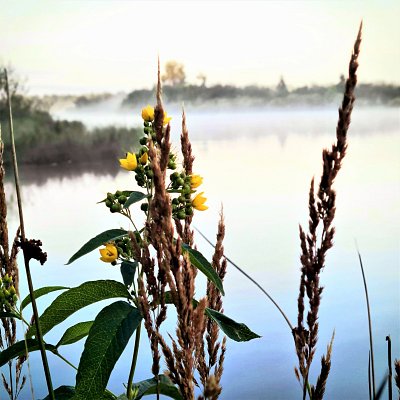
(319, 239)
(371, 346)
(30, 248)
(390, 372)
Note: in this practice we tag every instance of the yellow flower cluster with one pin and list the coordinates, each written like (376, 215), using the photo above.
(199, 200)
(148, 115)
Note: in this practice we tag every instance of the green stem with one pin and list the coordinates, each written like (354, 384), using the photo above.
(64, 359)
(252, 280)
(128, 215)
(134, 360)
(371, 346)
(390, 374)
(23, 239)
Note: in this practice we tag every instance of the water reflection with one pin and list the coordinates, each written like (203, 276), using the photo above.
(260, 169)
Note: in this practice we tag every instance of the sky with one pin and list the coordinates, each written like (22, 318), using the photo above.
(82, 46)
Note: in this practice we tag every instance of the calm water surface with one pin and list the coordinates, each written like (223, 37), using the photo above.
(259, 166)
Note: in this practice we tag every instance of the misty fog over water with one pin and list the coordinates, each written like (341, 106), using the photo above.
(258, 164)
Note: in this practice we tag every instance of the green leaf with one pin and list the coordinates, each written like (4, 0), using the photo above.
(128, 269)
(75, 333)
(18, 349)
(76, 298)
(134, 198)
(68, 392)
(234, 330)
(41, 292)
(166, 387)
(62, 393)
(9, 314)
(199, 261)
(109, 335)
(97, 241)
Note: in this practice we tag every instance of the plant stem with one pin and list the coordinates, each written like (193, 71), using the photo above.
(369, 326)
(369, 376)
(252, 280)
(134, 360)
(64, 359)
(390, 366)
(11, 381)
(23, 239)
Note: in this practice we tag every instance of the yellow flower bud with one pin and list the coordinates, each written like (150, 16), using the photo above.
(129, 163)
(198, 202)
(148, 113)
(195, 181)
(166, 118)
(143, 160)
(109, 254)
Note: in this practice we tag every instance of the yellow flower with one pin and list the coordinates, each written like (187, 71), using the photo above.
(109, 254)
(148, 113)
(166, 118)
(143, 160)
(195, 181)
(129, 163)
(198, 202)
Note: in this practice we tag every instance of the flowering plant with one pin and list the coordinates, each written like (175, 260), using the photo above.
(158, 264)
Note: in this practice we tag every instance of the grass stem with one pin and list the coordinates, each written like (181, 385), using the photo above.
(390, 373)
(369, 327)
(252, 280)
(23, 239)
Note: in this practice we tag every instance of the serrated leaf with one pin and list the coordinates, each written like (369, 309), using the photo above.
(109, 335)
(128, 270)
(134, 197)
(97, 241)
(19, 349)
(41, 292)
(75, 333)
(166, 387)
(236, 331)
(200, 262)
(76, 298)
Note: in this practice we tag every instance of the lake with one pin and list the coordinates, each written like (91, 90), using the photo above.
(257, 164)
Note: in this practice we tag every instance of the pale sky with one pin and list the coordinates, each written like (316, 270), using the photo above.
(77, 46)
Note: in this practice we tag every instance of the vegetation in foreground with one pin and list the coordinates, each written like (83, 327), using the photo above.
(159, 263)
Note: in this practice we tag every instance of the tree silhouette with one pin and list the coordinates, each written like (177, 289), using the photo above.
(174, 73)
(282, 89)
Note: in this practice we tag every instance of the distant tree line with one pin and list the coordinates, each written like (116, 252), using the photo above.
(40, 139)
(176, 90)
(373, 94)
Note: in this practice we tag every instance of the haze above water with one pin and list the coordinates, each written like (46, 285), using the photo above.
(258, 164)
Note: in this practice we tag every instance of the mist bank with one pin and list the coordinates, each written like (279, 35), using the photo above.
(41, 139)
(228, 96)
